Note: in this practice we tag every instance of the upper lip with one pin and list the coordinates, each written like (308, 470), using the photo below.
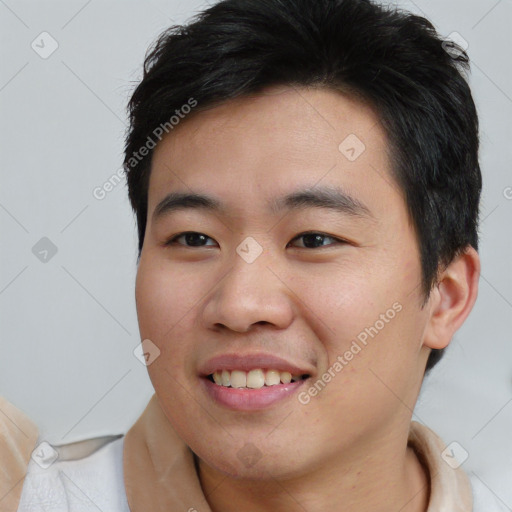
(248, 362)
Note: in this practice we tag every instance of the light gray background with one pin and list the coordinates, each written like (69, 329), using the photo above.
(68, 325)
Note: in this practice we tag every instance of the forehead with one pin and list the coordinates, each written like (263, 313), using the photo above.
(273, 143)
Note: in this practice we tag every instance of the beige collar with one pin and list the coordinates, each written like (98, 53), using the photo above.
(160, 472)
(450, 489)
(18, 438)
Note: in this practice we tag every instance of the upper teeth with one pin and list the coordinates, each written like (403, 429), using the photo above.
(254, 379)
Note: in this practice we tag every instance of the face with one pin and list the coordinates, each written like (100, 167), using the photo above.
(300, 260)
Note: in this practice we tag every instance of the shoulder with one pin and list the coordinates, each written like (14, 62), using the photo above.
(484, 500)
(452, 488)
(85, 476)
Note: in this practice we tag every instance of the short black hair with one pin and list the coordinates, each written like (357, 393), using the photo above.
(388, 57)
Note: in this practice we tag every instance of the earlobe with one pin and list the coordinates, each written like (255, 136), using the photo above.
(452, 299)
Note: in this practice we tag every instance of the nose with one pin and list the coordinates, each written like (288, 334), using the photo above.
(249, 294)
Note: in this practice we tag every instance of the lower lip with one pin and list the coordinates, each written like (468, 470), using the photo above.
(242, 399)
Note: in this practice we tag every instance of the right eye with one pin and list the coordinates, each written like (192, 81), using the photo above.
(191, 239)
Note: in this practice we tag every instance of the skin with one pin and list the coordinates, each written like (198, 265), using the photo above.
(347, 448)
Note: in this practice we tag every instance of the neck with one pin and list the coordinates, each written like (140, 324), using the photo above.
(381, 481)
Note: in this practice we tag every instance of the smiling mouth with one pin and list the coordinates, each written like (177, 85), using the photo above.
(254, 379)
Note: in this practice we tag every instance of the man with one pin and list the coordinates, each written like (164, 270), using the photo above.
(306, 183)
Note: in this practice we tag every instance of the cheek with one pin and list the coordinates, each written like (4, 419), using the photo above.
(162, 314)
(341, 300)
(369, 383)
(369, 318)
(154, 299)
(161, 311)
(164, 295)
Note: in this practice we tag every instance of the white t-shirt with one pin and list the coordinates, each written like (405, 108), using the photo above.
(95, 482)
(91, 483)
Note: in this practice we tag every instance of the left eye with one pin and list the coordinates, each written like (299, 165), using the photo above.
(314, 240)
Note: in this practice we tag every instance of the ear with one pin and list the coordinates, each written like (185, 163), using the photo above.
(452, 299)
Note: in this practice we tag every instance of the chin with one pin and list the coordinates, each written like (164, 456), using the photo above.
(251, 463)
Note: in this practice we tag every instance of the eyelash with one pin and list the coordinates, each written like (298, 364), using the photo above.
(172, 240)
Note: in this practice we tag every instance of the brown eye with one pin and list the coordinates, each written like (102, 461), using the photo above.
(190, 239)
(313, 240)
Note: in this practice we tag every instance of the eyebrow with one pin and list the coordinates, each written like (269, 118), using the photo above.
(322, 197)
(319, 197)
